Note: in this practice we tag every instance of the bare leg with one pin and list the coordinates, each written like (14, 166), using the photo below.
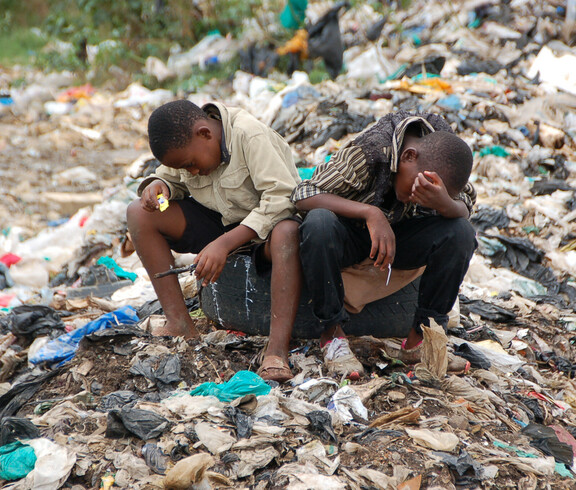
(282, 249)
(147, 230)
(331, 333)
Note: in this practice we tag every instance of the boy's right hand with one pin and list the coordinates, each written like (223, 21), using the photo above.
(148, 199)
(383, 239)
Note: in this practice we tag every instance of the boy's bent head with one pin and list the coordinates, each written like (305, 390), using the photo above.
(170, 126)
(449, 156)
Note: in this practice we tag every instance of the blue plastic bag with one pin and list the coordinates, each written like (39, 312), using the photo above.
(16, 460)
(242, 383)
(63, 348)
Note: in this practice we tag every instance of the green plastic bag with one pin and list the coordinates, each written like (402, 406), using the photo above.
(16, 460)
(242, 383)
(293, 14)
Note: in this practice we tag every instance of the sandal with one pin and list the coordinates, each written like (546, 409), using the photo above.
(274, 368)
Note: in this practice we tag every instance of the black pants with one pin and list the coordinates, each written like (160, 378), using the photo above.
(330, 243)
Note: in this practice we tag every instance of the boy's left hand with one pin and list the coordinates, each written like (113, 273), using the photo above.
(429, 191)
(210, 262)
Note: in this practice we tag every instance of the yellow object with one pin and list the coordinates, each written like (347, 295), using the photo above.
(298, 44)
(107, 482)
(163, 203)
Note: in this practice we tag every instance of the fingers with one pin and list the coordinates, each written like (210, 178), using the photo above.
(149, 199)
(383, 252)
(207, 270)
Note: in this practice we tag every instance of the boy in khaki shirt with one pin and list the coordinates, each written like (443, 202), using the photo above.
(228, 178)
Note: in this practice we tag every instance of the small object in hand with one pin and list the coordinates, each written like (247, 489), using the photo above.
(163, 203)
(389, 274)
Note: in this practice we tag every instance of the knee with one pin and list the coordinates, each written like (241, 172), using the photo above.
(286, 232)
(136, 217)
(318, 227)
(463, 233)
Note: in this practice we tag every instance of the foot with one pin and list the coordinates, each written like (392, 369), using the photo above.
(397, 350)
(275, 368)
(339, 359)
(176, 330)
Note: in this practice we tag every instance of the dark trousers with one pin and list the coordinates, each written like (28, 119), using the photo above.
(330, 243)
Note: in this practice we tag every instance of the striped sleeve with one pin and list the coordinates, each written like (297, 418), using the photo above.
(468, 197)
(345, 174)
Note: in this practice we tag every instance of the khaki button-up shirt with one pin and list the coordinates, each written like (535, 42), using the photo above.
(253, 183)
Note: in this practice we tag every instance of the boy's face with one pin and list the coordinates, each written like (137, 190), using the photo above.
(200, 156)
(405, 177)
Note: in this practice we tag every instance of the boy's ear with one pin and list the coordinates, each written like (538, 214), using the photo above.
(203, 131)
(409, 154)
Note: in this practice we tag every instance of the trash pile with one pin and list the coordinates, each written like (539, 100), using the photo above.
(89, 399)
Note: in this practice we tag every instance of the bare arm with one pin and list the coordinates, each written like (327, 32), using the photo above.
(383, 239)
(212, 258)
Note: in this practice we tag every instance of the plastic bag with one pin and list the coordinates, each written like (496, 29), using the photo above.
(16, 461)
(32, 320)
(63, 349)
(324, 41)
(242, 383)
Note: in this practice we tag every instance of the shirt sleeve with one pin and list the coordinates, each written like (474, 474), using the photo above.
(345, 174)
(273, 179)
(171, 177)
(468, 197)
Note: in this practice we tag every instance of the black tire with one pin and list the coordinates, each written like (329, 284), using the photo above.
(240, 300)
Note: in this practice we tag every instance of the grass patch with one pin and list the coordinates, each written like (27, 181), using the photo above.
(20, 46)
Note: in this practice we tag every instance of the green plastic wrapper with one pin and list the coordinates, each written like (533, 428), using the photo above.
(16, 460)
(242, 383)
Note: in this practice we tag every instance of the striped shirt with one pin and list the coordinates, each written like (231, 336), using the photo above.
(349, 174)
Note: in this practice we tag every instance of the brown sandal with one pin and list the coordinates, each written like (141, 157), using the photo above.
(274, 368)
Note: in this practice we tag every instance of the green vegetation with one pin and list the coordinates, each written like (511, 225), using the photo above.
(54, 35)
(20, 45)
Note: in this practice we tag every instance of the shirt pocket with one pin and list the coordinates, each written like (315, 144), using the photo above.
(238, 189)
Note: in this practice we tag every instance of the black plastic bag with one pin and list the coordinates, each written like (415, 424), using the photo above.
(142, 423)
(118, 399)
(487, 311)
(32, 321)
(19, 394)
(5, 278)
(486, 217)
(476, 358)
(154, 458)
(545, 439)
(324, 40)
(241, 421)
(163, 370)
(321, 425)
(16, 428)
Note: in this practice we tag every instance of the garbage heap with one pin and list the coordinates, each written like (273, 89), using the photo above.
(89, 399)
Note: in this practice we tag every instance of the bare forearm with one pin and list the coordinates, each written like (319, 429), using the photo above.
(338, 205)
(236, 237)
(454, 209)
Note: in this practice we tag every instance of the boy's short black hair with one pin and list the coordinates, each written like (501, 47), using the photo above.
(170, 126)
(449, 156)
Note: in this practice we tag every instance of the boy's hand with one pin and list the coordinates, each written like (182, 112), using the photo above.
(383, 239)
(148, 200)
(429, 191)
(210, 261)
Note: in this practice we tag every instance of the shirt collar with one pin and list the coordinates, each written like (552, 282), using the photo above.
(212, 111)
(399, 134)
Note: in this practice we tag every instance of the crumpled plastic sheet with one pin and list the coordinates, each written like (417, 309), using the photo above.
(242, 383)
(62, 349)
(53, 466)
(142, 423)
(17, 428)
(31, 321)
